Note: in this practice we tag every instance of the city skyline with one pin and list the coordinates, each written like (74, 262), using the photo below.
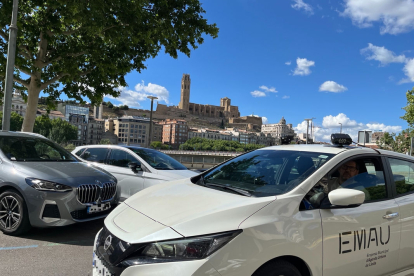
(335, 61)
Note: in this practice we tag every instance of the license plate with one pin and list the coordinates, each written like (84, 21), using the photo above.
(98, 269)
(98, 208)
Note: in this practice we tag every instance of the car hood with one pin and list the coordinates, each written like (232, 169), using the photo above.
(69, 173)
(176, 174)
(191, 209)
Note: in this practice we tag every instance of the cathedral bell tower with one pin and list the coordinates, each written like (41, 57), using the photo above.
(185, 92)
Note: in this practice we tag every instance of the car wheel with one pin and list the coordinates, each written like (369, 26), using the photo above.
(277, 268)
(14, 219)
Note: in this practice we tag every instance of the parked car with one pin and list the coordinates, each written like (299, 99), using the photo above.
(293, 210)
(42, 184)
(135, 168)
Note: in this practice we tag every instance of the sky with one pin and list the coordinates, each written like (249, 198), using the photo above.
(342, 61)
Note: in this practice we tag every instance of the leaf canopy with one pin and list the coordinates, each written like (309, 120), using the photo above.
(89, 46)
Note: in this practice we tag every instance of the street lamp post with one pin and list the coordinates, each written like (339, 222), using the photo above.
(341, 127)
(150, 126)
(11, 56)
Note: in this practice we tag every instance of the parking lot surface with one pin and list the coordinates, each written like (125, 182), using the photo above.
(50, 251)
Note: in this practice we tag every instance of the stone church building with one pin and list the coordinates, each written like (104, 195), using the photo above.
(225, 110)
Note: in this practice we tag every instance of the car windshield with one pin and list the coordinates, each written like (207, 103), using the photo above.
(266, 172)
(158, 160)
(33, 149)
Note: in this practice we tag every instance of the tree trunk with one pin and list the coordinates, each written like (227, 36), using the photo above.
(32, 101)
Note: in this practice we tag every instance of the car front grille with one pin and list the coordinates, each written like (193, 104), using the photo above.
(90, 193)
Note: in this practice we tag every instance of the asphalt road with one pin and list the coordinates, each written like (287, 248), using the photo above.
(50, 251)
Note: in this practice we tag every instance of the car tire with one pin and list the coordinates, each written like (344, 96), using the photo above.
(278, 268)
(14, 218)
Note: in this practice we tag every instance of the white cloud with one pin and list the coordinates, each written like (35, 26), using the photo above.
(397, 16)
(154, 90)
(385, 56)
(303, 65)
(264, 119)
(330, 124)
(285, 97)
(288, 62)
(331, 86)
(299, 4)
(409, 71)
(257, 94)
(267, 89)
(132, 98)
(381, 54)
(384, 128)
(333, 121)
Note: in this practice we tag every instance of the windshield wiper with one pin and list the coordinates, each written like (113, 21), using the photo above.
(237, 190)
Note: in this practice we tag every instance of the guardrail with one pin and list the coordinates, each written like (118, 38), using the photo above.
(195, 152)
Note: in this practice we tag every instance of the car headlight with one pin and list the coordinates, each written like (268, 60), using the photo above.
(187, 249)
(43, 185)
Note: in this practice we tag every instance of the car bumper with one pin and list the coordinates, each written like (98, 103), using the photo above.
(187, 268)
(58, 209)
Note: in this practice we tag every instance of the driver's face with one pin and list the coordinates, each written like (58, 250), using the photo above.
(348, 170)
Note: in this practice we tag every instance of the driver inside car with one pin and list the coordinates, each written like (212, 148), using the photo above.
(347, 173)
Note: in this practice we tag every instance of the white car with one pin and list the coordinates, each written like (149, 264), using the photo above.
(135, 168)
(268, 213)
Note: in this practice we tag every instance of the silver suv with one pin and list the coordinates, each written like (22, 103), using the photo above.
(42, 184)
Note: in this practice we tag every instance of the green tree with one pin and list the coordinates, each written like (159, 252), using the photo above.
(115, 108)
(70, 147)
(62, 132)
(16, 121)
(85, 48)
(110, 105)
(105, 142)
(409, 109)
(43, 125)
(156, 145)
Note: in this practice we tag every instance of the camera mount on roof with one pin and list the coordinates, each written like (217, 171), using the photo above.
(340, 139)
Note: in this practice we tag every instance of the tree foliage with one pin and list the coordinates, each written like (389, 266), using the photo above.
(398, 143)
(43, 125)
(197, 143)
(85, 48)
(105, 142)
(16, 121)
(159, 145)
(62, 132)
(409, 109)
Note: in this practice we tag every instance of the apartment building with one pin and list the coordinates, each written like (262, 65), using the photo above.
(174, 132)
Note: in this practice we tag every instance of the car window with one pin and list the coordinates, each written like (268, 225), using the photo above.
(403, 174)
(267, 172)
(363, 174)
(95, 154)
(32, 149)
(158, 160)
(121, 158)
(79, 152)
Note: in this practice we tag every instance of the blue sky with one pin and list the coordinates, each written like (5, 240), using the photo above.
(359, 52)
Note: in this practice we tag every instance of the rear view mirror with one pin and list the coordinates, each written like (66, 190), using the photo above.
(346, 197)
(134, 166)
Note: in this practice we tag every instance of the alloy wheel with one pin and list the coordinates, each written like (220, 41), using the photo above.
(10, 212)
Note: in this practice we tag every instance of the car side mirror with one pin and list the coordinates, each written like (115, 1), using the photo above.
(134, 166)
(346, 197)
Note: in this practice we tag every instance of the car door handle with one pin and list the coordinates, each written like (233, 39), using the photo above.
(391, 216)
